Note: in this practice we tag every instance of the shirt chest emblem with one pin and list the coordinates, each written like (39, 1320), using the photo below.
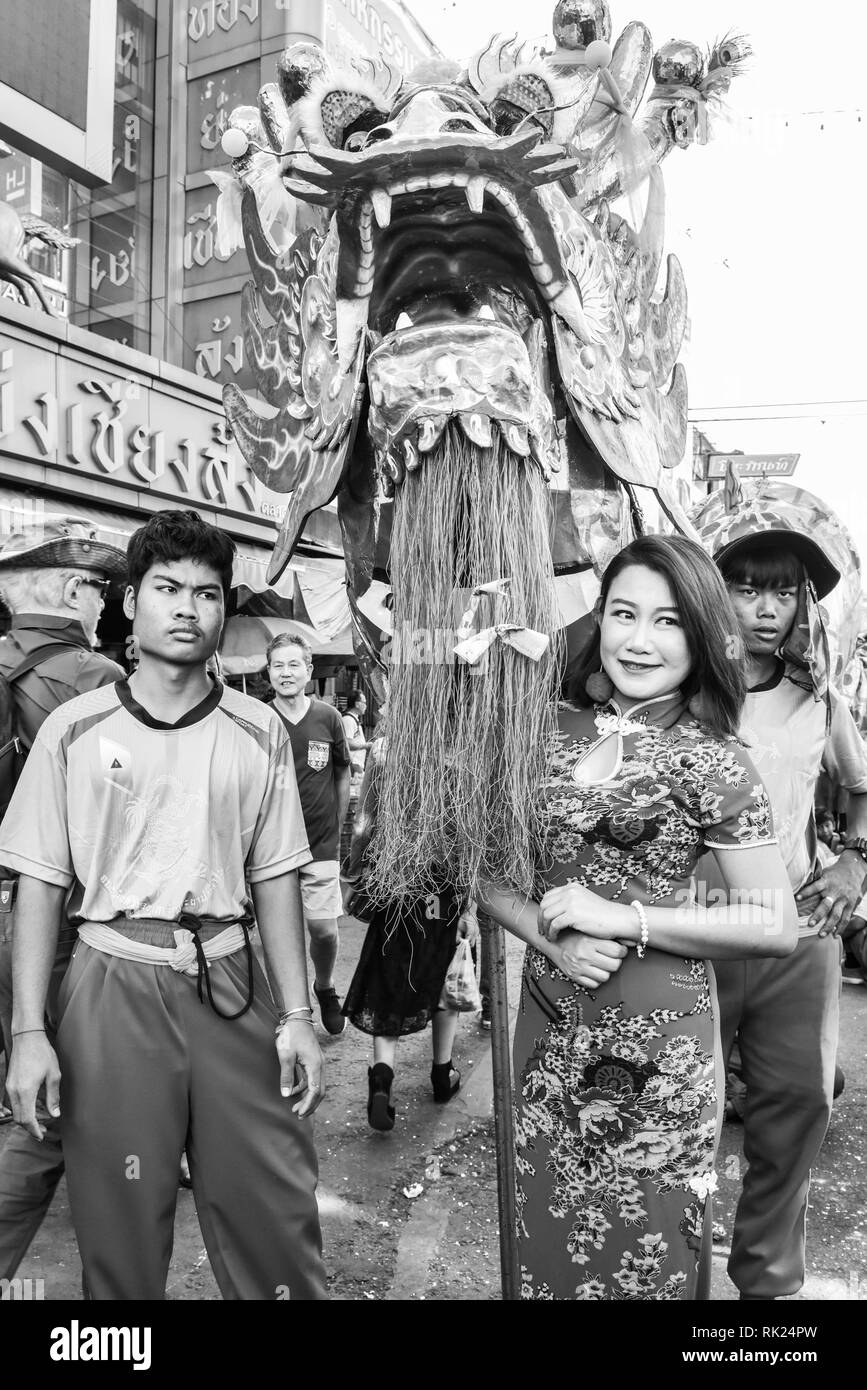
(317, 755)
(114, 758)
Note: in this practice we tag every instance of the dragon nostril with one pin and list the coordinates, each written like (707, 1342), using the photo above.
(380, 132)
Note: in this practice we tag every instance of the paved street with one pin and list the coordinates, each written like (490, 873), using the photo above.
(412, 1215)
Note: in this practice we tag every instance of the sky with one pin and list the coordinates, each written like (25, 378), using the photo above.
(767, 221)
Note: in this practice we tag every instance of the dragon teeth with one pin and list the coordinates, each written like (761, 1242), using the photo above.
(351, 323)
(430, 431)
(393, 468)
(404, 321)
(410, 455)
(475, 191)
(487, 313)
(381, 199)
(477, 428)
(568, 305)
(517, 438)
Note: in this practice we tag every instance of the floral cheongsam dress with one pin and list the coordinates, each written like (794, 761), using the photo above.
(619, 1090)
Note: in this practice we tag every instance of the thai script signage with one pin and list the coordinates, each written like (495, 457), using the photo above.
(88, 418)
(374, 27)
(751, 465)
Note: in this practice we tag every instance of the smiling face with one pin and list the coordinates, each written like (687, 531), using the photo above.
(289, 671)
(643, 645)
(765, 615)
(178, 612)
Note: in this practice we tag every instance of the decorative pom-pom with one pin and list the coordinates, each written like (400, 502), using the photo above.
(234, 143)
(599, 687)
(696, 707)
(597, 54)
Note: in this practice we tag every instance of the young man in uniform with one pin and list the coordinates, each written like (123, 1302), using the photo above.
(53, 580)
(158, 800)
(322, 769)
(786, 1011)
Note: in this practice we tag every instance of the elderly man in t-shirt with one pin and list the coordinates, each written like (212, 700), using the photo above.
(322, 769)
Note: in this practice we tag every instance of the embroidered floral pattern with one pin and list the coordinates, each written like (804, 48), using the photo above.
(616, 1112)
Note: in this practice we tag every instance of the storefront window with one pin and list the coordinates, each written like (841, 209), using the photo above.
(103, 283)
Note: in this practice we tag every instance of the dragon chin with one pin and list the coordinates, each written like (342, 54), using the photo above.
(482, 376)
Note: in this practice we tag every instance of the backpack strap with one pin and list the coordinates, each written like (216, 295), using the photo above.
(34, 659)
(29, 663)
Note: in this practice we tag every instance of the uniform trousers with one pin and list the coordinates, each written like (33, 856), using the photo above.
(30, 1169)
(148, 1071)
(786, 1015)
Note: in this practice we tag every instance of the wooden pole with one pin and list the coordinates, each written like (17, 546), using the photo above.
(504, 1128)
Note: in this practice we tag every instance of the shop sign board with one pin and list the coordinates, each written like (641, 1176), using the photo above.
(86, 417)
(751, 465)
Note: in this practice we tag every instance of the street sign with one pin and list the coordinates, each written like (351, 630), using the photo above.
(751, 465)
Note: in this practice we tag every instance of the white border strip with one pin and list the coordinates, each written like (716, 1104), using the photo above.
(84, 154)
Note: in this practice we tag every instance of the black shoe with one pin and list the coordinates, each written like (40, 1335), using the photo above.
(446, 1081)
(333, 1020)
(380, 1111)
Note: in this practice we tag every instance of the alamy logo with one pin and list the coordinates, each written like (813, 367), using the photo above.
(75, 1343)
(22, 1290)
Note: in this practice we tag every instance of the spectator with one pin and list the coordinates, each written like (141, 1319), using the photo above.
(785, 1011)
(53, 580)
(158, 800)
(323, 774)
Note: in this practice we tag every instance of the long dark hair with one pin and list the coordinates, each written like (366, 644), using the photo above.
(710, 626)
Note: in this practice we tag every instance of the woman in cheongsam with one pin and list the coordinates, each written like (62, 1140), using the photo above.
(617, 1069)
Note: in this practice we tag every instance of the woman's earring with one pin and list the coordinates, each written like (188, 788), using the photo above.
(600, 687)
(696, 707)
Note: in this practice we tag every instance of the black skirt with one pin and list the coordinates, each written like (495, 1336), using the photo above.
(403, 965)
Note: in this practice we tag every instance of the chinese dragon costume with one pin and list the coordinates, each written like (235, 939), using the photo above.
(464, 343)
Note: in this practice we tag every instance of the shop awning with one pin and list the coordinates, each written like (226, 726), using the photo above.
(318, 581)
(246, 639)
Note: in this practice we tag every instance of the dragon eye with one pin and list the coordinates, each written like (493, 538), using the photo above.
(348, 114)
(524, 96)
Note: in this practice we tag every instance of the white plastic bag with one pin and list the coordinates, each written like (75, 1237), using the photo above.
(461, 990)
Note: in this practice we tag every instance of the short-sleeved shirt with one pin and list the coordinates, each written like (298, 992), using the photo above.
(145, 819)
(784, 729)
(674, 791)
(320, 748)
(358, 756)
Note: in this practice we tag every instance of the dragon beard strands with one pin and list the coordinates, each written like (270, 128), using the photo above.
(466, 745)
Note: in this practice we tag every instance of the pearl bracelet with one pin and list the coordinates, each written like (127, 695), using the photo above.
(644, 933)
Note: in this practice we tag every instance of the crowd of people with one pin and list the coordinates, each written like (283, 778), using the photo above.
(171, 849)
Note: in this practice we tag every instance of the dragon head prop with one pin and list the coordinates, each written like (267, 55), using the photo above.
(465, 344)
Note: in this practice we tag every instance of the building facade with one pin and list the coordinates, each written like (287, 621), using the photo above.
(111, 116)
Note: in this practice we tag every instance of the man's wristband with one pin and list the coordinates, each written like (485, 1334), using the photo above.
(21, 1031)
(858, 845)
(303, 1014)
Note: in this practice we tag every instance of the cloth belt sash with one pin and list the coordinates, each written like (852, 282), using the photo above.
(190, 954)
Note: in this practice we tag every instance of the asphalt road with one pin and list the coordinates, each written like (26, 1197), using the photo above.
(412, 1215)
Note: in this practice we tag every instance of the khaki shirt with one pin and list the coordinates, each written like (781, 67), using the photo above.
(57, 679)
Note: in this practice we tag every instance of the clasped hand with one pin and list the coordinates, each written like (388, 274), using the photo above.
(583, 929)
(588, 961)
(576, 908)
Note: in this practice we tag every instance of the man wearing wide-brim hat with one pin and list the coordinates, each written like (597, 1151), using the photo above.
(54, 576)
(781, 551)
